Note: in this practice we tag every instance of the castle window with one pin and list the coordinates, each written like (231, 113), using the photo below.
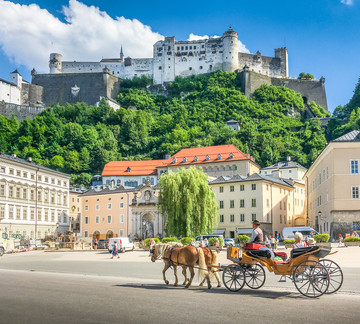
(182, 48)
(194, 47)
(169, 58)
(200, 67)
(190, 47)
(178, 48)
(159, 67)
(190, 68)
(186, 48)
(202, 46)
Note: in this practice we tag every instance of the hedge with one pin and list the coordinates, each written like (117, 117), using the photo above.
(243, 238)
(321, 238)
(289, 241)
(169, 239)
(212, 241)
(147, 241)
(352, 239)
(187, 240)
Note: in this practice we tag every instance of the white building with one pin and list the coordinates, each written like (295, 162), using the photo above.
(10, 91)
(34, 200)
(173, 58)
(285, 169)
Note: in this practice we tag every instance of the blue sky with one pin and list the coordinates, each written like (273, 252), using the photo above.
(322, 36)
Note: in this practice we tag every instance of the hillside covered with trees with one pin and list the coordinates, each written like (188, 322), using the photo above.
(79, 139)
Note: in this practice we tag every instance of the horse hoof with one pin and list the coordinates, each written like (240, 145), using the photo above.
(209, 287)
(219, 285)
(175, 285)
(186, 286)
(167, 282)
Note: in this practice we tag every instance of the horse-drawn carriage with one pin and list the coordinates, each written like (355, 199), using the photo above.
(312, 275)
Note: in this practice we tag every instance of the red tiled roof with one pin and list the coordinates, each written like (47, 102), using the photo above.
(120, 168)
(219, 153)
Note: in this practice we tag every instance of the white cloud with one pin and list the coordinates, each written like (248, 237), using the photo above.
(347, 2)
(242, 48)
(28, 34)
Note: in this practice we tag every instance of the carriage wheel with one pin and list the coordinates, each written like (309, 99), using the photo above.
(335, 275)
(233, 277)
(254, 276)
(311, 279)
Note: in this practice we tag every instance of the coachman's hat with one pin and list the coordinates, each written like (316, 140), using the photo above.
(256, 222)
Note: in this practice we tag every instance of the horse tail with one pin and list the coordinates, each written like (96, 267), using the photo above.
(202, 264)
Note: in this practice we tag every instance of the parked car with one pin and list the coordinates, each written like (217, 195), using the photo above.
(229, 242)
(123, 244)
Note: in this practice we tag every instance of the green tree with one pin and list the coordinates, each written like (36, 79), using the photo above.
(187, 203)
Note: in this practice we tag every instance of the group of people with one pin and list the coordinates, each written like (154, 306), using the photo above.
(272, 241)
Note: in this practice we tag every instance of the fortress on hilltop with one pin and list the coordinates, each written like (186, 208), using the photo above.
(173, 58)
(89, 81)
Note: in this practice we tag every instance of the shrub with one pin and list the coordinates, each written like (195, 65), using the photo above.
(212, 241)
(289, 241)
(352, 239)
(147, 241)
(243, 238)
(186, 240)
(321, 238)
(169, 239)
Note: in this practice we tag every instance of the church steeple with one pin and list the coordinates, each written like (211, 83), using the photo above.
(121, 54)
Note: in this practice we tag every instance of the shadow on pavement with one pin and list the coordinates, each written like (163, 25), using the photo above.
(245, 292)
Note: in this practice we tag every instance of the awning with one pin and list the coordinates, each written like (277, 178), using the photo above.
(219, 231)
(244, 231)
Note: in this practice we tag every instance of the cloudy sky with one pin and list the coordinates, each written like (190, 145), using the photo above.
(322, 36)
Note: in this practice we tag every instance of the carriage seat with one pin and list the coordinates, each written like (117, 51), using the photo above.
(300, 251)
(265, 254)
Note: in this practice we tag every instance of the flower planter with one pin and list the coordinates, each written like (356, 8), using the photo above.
(328, 244)
(352, 244)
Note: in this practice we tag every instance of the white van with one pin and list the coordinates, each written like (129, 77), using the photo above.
(3, 244)
(123, 244)
(289, 232)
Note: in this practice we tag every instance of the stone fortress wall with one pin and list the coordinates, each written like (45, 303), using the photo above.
(173, 58)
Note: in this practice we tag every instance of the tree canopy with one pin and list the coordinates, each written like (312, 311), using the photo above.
(79, 139)
(187, 203)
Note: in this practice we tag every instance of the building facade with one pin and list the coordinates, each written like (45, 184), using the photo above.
(285, 169)
(34, 200)
(333, 185)
(75, 209)
(106, 212)
(275, 202)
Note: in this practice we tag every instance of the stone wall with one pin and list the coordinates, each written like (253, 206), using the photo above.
(21, 112)
(343, 222)
(65, 88)
(311, 90)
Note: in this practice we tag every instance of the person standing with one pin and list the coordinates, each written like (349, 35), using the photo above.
(341, 239)
(95, 243)
(217, 244)
(206, 242)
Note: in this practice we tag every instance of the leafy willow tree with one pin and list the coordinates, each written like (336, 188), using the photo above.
(187, 202)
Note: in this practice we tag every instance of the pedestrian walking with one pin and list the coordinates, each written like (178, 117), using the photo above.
(95, 243)
(237, 241)
(192, 243)
(115, 251)
(272, 240)
(341, 240)
(217, 244)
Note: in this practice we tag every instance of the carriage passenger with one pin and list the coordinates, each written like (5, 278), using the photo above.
(299, 243)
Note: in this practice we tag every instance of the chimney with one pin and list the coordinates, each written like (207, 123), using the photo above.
(167, 156)
(288, 158)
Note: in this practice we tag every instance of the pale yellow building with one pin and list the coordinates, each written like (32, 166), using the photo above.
(285, 169)
(75, 209)
(275, 202)
(333, 185)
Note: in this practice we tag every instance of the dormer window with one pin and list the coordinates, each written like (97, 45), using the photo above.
(195, 159)
(128, 169)
(219, 157)
(174, 160)
(231, 155)
(207, 158)
(184, 159)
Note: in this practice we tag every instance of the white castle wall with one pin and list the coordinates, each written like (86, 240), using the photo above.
(173, 58)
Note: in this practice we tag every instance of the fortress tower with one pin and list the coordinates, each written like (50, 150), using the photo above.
(55, 63)
(230, 52)
(282, 54)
